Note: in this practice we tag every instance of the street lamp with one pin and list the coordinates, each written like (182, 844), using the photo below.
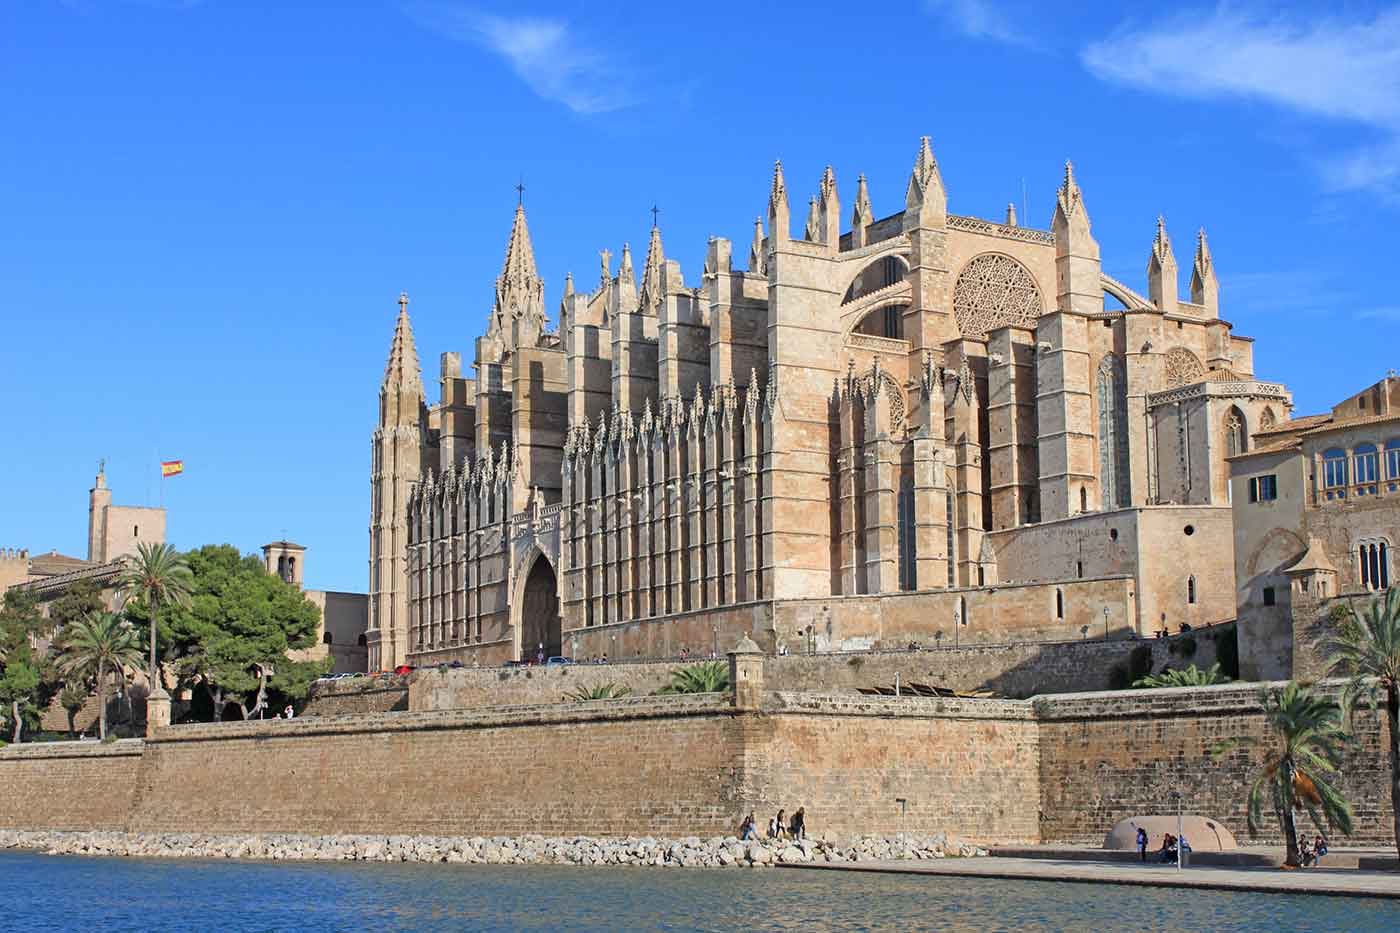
(1105, 623)
(957, 621)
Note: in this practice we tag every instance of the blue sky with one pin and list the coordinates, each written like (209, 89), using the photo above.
(210, 207)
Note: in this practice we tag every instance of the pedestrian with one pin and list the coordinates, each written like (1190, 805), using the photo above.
(1306, 851)
(288, 713)
(746, 828)
(1142, 843)
(799, 824)
(773, 828)
(1168, 848)
(1319, 849)
(781, 825)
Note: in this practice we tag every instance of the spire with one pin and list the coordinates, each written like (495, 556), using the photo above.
(925, 200)
(1162, 244)
(863, 216)
(568, 285)
(651, 273)
(779, 220)
(758, 263)
(606, 257)
(813, 231)
(1011, 214)
(401, 372)
(518, 314)
(1161, 271)
(829, 218)
(624, 271)
(1069, 201)
(1205, 289)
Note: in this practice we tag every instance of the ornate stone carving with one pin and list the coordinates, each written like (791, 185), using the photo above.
(993, 291)
(1181, 367)
(1006, 231)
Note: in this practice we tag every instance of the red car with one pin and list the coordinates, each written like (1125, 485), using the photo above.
(404, 669)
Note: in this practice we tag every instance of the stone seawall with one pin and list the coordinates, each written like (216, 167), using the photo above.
(69, 785)
(1108, 756)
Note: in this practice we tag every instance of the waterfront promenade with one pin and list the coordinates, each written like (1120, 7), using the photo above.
(1348, 882)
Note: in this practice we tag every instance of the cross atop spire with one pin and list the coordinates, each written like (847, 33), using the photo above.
(654, 212)
(650, 298)
(403, 302)
(519, 288)
(520, 193)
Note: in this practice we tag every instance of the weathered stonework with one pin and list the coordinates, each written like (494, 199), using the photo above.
(928, 402)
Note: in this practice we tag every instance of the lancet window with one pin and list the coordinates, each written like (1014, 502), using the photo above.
(1113, 434)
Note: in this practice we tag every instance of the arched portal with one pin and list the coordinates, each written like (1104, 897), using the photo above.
(539, 612)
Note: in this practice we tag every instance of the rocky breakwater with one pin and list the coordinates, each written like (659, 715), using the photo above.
(690, 852)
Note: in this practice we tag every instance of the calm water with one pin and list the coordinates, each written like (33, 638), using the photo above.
(69, 893)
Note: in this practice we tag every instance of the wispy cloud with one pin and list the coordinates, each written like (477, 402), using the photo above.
(978, 19)
(545, 52)
(1330, 67)
(1380, 314)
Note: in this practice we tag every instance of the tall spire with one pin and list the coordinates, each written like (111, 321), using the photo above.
(1161, 271)
(401, 372)
(1205, 288)
(829, 207)
(651, 273)
(1069, 200)
(779, 220)
(758, 262)
(519, 307)
(925, 200)
(862, 216)
(1011, 214)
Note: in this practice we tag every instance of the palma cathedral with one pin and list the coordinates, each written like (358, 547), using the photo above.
(923, 427)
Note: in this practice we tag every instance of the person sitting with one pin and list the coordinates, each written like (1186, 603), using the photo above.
(746, 828)
(1319, 850)
(1168, 848)
(1305, 852)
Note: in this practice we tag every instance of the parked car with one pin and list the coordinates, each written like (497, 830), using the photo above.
(404, 669)
(551, 662)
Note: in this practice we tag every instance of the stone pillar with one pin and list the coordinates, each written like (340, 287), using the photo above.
(158, 707)
(1065, 415)
(641, 502)
(1011, 446)
(694, 488)
(675, 515)
(746, 674)
(881, 477)
(731, 548)
(751, 506)
(713, 524)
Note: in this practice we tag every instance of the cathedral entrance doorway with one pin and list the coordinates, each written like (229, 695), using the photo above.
(539, 613)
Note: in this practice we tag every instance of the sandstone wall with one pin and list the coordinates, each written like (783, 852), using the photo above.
(1107, 756)
(477, 688)
(964, 766)
(68, 785)
(660, 766)
(358, 695)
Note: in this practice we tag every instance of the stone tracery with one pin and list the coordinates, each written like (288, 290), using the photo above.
(994, 290)
(1182, 367)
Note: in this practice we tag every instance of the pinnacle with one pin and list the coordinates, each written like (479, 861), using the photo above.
(779, 185)
(520, 256)
(624, 270)
(402, 367)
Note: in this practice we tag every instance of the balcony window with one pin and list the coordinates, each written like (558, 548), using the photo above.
(1364, 456)
(1334, 468)
(1392, 459)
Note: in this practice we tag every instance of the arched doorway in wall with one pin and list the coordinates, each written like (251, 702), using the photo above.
(539, 612)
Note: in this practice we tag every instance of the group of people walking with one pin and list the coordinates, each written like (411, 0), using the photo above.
(779, 827)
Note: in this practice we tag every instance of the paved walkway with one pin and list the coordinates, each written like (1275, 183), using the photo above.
(1349, 882)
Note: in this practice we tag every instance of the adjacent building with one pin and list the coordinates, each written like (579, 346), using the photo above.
(344, 616)
(1316, 516)
(915, 426)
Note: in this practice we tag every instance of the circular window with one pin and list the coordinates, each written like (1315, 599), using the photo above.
(1189, 530)
(1113, 534)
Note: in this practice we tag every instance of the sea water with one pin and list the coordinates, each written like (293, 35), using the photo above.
(39, 892)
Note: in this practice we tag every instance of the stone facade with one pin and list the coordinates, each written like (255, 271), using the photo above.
(1316, 506)
(925, 402)
(344, 616)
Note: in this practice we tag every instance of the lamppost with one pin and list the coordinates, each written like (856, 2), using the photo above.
(957, 621)
(714, 641)
(1105, 623)
(1177, 796)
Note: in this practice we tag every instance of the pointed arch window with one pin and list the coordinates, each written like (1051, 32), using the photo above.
(1113, 434)
(1059, 603)
(1236, 436)
(1191, 589)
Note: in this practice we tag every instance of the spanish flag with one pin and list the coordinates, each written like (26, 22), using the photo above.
(171, 467)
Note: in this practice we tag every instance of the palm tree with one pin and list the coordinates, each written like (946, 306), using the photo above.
(73, 697)
(1366, 650)
(705, 677)
(94, 645)
(1189, 677)
(607, 691)
(158, 575)
(1297, 768)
